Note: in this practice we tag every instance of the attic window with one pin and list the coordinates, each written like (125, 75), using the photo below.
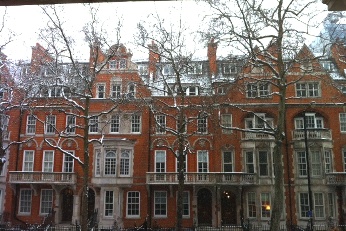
(122, 64)
(229, 68)
(343, 89)
(112, 64)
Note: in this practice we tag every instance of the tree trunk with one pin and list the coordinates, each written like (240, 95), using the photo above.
(85, 167)
(278, 162)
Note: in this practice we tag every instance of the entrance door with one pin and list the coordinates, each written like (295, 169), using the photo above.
(67, 205)
(204, 207)
(228, 208)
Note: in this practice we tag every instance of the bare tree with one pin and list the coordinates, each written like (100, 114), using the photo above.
(270, 34)
(171, 80)
(65, 85)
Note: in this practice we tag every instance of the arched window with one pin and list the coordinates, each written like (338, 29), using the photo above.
(110, 163)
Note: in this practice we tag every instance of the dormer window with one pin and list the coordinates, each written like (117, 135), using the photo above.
(122, 64)
(192, 90)
(112, 64)
(195, 68)
(229, 68)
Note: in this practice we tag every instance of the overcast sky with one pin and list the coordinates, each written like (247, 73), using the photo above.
(26, 21)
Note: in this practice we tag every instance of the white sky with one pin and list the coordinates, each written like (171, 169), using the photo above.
(25, 22)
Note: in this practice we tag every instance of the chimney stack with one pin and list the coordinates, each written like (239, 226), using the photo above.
(154, 58)
(212, 47)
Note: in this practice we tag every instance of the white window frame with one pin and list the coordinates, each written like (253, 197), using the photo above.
(186, 204)
(25, 201)
(94, 124)
(308, 89)
(122, 64)
(202, 123)
(28, 164)
(319, 205)
(136, 123)
(116, 90)
(46, 201)
(315, 162)
(133, 204)
(160, 124)
(48, 161)
(98, 162)
(109, 203)
(258, 121)
(302, 163)
(328, 160)
(263, 165)
(251, 205)
(131, 90)
(101, 93)
(331, 204)
(31, 125)
(192, 90)
(110, 163)
(160, 201)
(303, 208)
(250, 163)
(342, 120)
(226, 121)
(68, 163)
(258, 90)
(160, 161)
(265, 202)
(124, 162)
(70, 124)
(226, 162)
(112, 64)
(202, 161)
(50, 124)
(114, 126)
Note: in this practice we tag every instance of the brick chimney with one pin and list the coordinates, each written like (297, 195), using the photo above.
(212, 47)
(39, 57)
(154, 58)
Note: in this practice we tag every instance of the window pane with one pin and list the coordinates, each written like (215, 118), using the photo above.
(46, 201)
(160, 207)
(228, 161)
(251, 202)
(110, 163)
(25, 201)
(133, 204)
(109, 203)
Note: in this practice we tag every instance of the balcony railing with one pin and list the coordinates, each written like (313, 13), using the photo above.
(207, 178)
(312, 134)
(336, 178)
(256, 136)
(42, 177)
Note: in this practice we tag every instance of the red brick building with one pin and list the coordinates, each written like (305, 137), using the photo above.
(229, 174)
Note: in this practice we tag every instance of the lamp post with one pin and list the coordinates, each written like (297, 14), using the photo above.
(308, 172)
